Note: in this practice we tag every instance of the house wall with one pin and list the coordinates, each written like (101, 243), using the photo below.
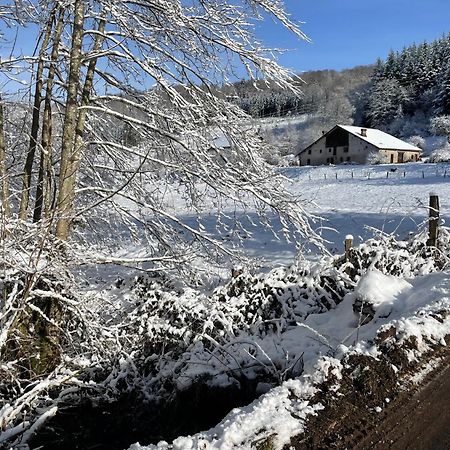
(319, 154)
(357, 151)
(394, 156)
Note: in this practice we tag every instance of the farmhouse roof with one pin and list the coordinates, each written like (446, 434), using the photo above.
(379, 139)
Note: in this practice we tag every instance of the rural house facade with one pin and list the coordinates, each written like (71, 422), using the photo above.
(349, 144)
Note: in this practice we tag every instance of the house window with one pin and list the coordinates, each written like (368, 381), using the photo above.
(308, 162)
(329, 150)
(320, 151)
(345, 149)
(348, 158)
(309, 151)
(342, 159)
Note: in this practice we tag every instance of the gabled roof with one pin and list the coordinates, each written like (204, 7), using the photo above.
(379, 139)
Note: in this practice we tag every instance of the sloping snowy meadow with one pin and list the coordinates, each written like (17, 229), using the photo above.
(349, 199)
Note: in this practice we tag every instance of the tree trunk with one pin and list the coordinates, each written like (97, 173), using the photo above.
(28, 169)
(43, 190)
(4, 194)
(68, 165)
(70, 168)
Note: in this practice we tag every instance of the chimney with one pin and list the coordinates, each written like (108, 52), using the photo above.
(323, 133)
(364, 132)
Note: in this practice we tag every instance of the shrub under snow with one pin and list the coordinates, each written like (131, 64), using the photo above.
(146, 337)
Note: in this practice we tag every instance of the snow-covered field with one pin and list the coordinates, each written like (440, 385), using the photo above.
(393, 202)
(352, 199)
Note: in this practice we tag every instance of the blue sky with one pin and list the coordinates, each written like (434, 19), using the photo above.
(346, 33)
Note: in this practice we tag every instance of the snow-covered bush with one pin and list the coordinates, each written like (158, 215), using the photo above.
(440, 126)
(418, 141)
(400, 258)
(441, 154)
(375, 158)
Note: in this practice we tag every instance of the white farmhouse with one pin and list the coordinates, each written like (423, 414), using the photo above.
(345, 144)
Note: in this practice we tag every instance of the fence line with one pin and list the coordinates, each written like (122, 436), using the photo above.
(374, 175)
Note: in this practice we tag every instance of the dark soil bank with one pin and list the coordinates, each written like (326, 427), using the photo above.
(418, 419)
(115, 426)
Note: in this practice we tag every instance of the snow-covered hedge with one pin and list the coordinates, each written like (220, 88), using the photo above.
(147, 337)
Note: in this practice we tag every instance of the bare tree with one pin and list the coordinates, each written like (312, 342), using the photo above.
(4, 195)
(27, 173)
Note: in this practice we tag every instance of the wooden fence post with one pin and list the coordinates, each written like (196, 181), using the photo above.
(423, 174)
(433, 220)
(352, 173)
(348, 246)
(387, 174)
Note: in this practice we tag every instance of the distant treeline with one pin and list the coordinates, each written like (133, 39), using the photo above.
(318, 87)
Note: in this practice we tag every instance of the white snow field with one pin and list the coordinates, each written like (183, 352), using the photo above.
(352, 199)
(392, 201)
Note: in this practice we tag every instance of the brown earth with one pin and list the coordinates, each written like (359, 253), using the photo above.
(419, 421)
(417, 418)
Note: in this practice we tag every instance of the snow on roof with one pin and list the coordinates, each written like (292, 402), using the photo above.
(380, 139)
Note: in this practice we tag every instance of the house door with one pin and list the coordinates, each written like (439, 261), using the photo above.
(392, 158)
(400, 157)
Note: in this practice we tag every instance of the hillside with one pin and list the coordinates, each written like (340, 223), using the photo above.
(407, 95)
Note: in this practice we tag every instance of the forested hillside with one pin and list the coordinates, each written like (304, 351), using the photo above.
(412, 84)
(407, 95)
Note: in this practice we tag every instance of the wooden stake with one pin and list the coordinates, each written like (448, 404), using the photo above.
(433, 221)
(348, 246)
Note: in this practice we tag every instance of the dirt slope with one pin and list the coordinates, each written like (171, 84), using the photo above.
(371, 410)
(419, 420)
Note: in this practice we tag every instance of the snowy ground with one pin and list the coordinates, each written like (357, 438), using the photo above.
(394, 202)
(373, 197)
(324, 340)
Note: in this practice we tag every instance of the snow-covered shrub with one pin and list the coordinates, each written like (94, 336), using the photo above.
(440, 126)
(399, 258)
(441, 154)
(177, 339)
(418, 141)
(375, 158)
